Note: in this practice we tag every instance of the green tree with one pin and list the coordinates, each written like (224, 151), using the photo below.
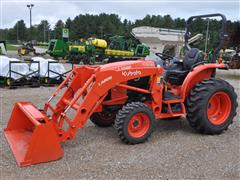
(234, 35)
(69, 25)
(43, 31)
(58, 29)
(179, 23)
(19, 31)
(168, 21)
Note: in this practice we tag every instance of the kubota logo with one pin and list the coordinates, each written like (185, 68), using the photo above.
(131, 73)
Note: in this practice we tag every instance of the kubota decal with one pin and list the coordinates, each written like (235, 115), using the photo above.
(131, 73)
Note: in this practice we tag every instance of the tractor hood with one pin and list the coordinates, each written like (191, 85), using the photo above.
(125, 65)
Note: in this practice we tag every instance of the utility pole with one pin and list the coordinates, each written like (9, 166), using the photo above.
(44, 30)
(30, 6)
(101, 30)
(49, 31)
(206, 42)
(17, 33)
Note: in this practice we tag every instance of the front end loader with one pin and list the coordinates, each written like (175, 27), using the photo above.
(131, 96)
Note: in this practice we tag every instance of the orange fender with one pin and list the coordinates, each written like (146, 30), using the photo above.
(198, 74)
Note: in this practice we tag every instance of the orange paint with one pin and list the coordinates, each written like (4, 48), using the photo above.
(35, 136)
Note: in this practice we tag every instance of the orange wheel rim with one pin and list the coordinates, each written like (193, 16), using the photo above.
(138, 125)
(219, 108)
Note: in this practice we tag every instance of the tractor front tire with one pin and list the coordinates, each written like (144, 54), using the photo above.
(211, 106)
(103, 119)
(135, 123)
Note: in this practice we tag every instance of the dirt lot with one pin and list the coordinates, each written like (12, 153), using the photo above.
(174, 151)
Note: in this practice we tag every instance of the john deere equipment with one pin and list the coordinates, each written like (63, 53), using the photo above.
(58, 48)
(93, 49)
(88, 51)
(121, 48)
(132, 95)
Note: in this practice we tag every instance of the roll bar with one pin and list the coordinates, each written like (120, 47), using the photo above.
(222, 35)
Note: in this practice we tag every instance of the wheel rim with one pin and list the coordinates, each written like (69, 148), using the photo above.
(219, 108)
(138, 125)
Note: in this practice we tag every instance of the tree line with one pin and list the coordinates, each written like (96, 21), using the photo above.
(106, 25)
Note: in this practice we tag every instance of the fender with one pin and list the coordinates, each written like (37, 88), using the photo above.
(197, 75)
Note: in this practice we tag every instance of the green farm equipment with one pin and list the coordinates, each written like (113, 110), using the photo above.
(121, 47)
(96, 50)
(87, 51)
(58, 48)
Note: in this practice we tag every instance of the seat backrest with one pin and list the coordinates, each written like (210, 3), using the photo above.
(192, 57)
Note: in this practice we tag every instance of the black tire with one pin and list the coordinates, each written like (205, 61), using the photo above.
(85, 59)
(197, 106)
(70, 59)
(124, 116)
(102, 119)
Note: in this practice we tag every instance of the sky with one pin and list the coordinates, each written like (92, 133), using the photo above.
(52, 10)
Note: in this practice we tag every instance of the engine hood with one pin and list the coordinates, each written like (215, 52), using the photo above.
(125, 65)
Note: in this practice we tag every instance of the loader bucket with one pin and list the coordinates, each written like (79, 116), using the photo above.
(31, 136)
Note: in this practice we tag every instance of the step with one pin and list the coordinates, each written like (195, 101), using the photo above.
(170, 96)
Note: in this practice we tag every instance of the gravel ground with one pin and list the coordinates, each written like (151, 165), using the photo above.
(174, 151)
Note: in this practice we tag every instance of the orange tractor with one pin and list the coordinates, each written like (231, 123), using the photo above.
(131, 95)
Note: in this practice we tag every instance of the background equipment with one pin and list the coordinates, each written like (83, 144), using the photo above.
(3, 48)
(96, 50)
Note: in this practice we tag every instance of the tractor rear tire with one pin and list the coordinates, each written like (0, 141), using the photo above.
(135, 123)
(102, 119)
(211, 106)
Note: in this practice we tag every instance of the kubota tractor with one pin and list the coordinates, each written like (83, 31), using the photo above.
(132, 96)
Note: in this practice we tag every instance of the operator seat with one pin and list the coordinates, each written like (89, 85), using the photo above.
(177, 72)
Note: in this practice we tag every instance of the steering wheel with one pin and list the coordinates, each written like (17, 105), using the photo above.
(167, 59)
(164, 56)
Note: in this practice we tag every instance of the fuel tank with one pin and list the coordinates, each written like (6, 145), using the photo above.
(101, 43)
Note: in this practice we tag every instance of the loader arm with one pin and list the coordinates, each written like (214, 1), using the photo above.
(35, 135)
(85, 95)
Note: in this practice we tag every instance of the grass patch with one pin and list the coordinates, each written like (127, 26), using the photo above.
(10, 47)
